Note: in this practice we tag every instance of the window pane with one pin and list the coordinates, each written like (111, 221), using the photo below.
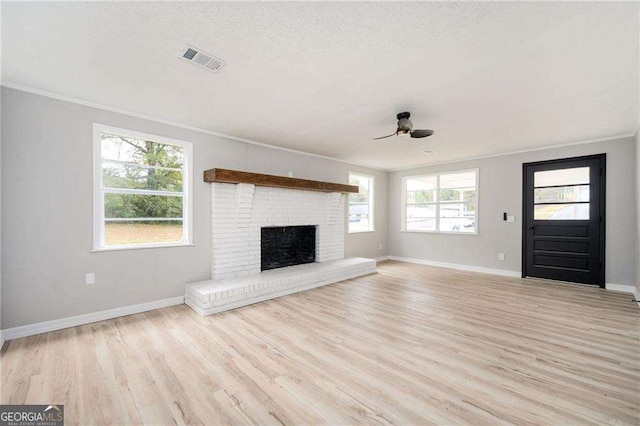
(361, 198)
(421, 224)
(561, 212)
(463, 194)
(421, 210)
(115, 175)
(421, 196)
(142, 206)
(561, 194)
(360, 204)
(458, 180)
(422, 183)
(359, 223)
(460, 224)
(421, 217)
(137, 151)
(124, 233)
(575, 176)
(358, 210)
(457, 210)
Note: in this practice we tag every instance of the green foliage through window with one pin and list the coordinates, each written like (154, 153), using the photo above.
(142, 188)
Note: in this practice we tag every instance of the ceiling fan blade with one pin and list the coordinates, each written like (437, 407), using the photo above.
(382, 137)
(421, 133)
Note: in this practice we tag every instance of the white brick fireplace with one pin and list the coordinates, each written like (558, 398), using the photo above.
(239, 211)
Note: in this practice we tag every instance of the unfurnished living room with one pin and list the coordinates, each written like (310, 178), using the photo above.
(320, 213)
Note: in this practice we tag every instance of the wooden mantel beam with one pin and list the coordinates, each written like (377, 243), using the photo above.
(235, 176)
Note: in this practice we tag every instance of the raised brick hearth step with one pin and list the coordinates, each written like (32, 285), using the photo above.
(210, 297)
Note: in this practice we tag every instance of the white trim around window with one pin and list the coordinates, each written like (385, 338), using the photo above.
(361, 221)
(99, 190)
(434, 203)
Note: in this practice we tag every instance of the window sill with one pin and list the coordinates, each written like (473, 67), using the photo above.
(140, 247)
(361, 232)
(440, 232)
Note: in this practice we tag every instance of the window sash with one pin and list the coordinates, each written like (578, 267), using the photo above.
(142, 219)
(142, 166)
(141, 192)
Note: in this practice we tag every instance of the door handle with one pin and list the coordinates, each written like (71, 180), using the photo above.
(532, 227)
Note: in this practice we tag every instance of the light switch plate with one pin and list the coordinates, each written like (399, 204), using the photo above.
(511, 218)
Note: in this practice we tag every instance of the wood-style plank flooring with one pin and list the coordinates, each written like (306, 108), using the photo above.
(409, 345)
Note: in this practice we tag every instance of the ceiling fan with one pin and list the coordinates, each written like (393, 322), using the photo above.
(405, 128)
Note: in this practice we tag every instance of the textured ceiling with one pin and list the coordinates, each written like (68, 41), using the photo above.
(325, 78)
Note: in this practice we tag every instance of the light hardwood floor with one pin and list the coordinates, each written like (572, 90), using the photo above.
(409, 345)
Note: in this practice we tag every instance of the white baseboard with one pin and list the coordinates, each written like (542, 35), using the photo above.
(458, 266)
(625, 289)
(381, 258)
(619, 287)
(59, 324)
(1, 339)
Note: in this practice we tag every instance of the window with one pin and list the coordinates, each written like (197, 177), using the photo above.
(142, 190)
(561, 194)
(361, 204)
(446, 202)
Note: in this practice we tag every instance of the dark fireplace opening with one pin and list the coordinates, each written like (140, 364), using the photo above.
(287, 246)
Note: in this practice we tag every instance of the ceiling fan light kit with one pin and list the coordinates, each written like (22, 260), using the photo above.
(405, 128)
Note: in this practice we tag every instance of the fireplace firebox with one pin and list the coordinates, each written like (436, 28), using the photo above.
(287, 246)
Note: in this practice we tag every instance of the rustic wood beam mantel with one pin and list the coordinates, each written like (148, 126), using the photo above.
(235, 176)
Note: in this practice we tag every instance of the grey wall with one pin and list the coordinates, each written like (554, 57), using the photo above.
(47, 211)
(637, 259)
(501, 191)
(1, 334)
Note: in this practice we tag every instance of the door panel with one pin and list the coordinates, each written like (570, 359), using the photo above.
(563, 226)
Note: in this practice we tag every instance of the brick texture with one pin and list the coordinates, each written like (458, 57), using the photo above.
(238, 211)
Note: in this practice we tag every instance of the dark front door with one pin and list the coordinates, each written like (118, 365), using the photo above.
(563, 225)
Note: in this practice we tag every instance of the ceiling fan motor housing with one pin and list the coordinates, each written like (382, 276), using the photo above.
(404, 124)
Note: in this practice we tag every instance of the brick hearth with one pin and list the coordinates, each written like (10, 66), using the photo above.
(238, 213)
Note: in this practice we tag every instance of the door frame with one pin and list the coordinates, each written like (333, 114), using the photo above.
(603, 201)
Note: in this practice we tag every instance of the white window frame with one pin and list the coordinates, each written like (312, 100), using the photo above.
(437, 202)
(98, 190)
(372, 187)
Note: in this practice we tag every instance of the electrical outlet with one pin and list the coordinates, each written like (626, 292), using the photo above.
(90, 278)
(500, 256)
(511, 218)
(290, 174)
(379, 246)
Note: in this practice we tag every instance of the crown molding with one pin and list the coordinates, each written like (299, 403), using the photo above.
(522, 151)
(87, 103)
(84, 102)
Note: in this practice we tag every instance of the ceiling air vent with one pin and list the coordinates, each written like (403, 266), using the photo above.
(201, 58)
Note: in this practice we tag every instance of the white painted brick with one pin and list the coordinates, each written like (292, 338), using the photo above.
(239, 211)
(223, 294)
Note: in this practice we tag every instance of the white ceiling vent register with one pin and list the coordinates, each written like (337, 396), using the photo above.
(201, 58)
